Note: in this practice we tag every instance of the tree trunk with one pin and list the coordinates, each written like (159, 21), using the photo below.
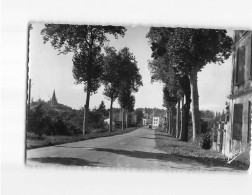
(173, 125)
(181, 118)
(86, 112)
(122, 119)
(170, 123)
(178, 120)
(126, 118)
(185, 115)
(111, 116)
(167, 121)
(195, 102)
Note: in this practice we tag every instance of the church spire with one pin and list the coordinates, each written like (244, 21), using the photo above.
(54, 100)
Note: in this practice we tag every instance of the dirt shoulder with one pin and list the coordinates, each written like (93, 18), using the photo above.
(189, 151)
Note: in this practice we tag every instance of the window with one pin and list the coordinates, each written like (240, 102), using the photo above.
(240, 64)
(237, 122)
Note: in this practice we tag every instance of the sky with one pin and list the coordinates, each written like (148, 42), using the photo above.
(50, 71)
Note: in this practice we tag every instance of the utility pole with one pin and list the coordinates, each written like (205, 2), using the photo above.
(28, 116)
(29, 91)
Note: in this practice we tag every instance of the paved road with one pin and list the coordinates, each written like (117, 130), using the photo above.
(131, 150)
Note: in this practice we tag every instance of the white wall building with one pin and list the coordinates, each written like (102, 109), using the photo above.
(155, 121)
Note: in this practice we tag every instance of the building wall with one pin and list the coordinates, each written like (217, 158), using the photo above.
(241, 94)
(155, 121)
(232, 145)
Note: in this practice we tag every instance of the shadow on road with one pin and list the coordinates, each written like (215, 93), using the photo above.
(150, 138)
(164, 157)
(146, 155)
(176, 158)
(65, 161)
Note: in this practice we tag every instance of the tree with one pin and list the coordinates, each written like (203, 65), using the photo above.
(102, 109)
(207, 113)
(111, 78)
(85, 41)
(130, 80)
(139, 114)
(188, 51)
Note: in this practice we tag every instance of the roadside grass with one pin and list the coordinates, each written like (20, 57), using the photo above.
(36, 142)
(188, 150)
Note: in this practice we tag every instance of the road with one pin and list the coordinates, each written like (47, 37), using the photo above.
(131, 150)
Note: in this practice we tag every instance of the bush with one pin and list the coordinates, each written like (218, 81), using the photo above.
(53, 120)
(165, 126)
(47, 119)
(204, 140)
(96, 120)
(204, 125)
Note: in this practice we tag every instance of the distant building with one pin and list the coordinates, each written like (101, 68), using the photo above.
(237, 138)
(155, 121)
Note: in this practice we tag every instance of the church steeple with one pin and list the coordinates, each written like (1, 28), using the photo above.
(54, 99)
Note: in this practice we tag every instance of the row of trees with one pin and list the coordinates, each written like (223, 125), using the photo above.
(178, 55)
(92, 67)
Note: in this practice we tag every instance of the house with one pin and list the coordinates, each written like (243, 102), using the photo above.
(155, 121)
(236, 138)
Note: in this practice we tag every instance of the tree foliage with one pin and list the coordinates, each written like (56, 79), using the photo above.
(83, 72)
(207, 114)
(186, 48)
(130, 81)
(73, 38)
(102, 109)
(112, 74)
(140, 115)
(53, 120)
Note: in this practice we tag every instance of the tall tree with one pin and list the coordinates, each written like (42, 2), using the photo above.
(102, 109)
(139, 114)
(130, 81)
(85, 41)
(111, 78)
(188, 51)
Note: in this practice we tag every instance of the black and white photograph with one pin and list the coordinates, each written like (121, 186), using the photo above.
(139, 97)
(126, 97)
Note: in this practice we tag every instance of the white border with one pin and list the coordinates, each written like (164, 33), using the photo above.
(18, 179)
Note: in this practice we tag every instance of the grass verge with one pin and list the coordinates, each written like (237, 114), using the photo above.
(56, 140)
(181, 149)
